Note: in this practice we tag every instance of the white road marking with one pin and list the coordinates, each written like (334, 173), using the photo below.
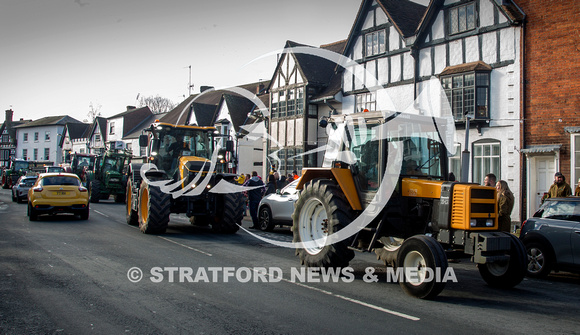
(186, 246)
(358, 302)
(105, 215)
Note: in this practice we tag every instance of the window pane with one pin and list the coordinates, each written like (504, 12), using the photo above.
(483, 79)
(486, 150)
(461, 18)
(470, 16)
(446, 82)
(382, 41)
(469, 101)
(458, 82)
(495, 149)
(469, 79)
(375, 43)
(453, 20)
(477, 174)
(482, 110)
(369, 44)
(477, 150)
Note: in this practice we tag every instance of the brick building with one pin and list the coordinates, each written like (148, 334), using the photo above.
(551, 102)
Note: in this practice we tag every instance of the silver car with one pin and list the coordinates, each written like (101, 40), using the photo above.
(20, 189)
(277, 208)
(552, 237)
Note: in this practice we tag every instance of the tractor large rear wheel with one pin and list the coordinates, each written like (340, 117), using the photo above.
(154, 209)
(321, 210)
(509, 273)
(230, 213)
(94, 191)
(131, 215)
(420, 257)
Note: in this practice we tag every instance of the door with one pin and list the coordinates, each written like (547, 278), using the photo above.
(544, 177)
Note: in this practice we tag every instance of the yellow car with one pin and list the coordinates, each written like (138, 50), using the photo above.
(55, 193)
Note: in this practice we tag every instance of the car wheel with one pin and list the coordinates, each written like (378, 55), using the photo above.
(32, 216)
(540, 261)
(85, 215)
(265, 219)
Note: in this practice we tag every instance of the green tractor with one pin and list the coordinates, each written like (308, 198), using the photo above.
(17, 168)
(108, 176)
(80, 163)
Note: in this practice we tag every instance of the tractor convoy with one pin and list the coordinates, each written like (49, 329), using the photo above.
(383, 188)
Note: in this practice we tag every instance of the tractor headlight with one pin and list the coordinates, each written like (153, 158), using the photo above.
(489, 223)
(473, 222)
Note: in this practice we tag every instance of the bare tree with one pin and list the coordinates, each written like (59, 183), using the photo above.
(94, 111)
(157, 104)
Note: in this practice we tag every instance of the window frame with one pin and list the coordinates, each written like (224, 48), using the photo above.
(478, 93)
(451, 30)
(479, 172)
(376, 47)
(369, 103)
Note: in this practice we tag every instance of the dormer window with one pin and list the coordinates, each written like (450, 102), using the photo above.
(375, 42)
(112, 128)
(461, 18)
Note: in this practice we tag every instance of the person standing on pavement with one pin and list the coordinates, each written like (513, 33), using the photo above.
(271, 186)
(490, 180)
(559, 188)
(505, 204)
(577, 190)
(254, 197)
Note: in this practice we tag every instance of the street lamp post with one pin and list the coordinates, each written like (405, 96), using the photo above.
(465, 154)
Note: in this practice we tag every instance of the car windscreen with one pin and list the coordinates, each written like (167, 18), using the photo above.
(560, 210)
(28, 182)
(59, 180)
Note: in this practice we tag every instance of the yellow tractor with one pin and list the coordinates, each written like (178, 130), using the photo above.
(178, 177)
(383, 187)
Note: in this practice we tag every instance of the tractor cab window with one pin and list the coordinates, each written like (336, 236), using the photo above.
(113, 164)
(421, 151)
(365, 147)
(20, 166)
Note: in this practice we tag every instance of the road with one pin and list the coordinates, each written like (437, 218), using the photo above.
(66, 276)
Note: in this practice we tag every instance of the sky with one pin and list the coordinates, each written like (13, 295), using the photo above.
(58, 57)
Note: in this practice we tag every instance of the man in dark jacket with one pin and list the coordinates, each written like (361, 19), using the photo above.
(254, 197)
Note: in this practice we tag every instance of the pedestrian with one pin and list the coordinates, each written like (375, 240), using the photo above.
(559, 188)
(505, 205)
(254, 197)
(295, 175)
(271, 186)
(577, 190)
(490, 180)
(281, 183)
(290, 178)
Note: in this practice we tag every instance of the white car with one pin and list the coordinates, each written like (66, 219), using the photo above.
(277, 208)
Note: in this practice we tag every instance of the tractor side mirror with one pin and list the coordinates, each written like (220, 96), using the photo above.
(143, 140)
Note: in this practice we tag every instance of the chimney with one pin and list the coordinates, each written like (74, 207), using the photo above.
(130, 107)
(205, 88)
(9, 114)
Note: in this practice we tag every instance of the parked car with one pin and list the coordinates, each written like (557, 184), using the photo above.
(20, 189)
(552, 237)
(56, 193)
(277, 208)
